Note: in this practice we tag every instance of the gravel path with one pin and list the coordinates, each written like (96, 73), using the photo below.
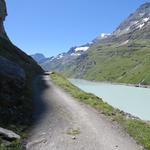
(62, 123)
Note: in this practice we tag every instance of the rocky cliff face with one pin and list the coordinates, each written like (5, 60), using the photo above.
(13, 81)
(136, 21)
(136, 26)
(17, 70)
(3, 14)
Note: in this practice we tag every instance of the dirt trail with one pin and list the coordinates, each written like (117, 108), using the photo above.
(63, 123)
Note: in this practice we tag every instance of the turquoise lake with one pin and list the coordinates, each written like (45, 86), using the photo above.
(133, 100)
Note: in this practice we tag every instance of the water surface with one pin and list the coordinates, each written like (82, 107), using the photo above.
(133, 100)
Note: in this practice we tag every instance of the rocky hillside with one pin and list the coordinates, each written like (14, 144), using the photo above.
(17, 70)
(136, 25)
(123, 56)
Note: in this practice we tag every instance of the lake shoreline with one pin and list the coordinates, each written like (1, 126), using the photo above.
(114, 83)
(126, 113)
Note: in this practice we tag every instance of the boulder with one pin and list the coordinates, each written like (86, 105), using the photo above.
(12, 81)
(10, 69)
(8, 134)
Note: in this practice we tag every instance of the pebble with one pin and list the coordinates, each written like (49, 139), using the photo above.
(73, 137)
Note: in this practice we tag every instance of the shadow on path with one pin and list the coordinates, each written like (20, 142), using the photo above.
(39, 103)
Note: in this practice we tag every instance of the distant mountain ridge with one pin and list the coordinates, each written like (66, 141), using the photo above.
(122, 56)
(60, 59)
(39, 58)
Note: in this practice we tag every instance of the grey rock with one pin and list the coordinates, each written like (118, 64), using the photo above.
(74, 137)
(8, 134)
(10, 69)
(3, 14)
(3, 10)
(13, 80)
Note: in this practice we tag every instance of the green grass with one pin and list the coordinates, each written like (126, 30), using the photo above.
(72, 131)
(14, 146)
(138, 129)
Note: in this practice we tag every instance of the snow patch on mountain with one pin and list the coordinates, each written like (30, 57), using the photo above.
(146, 19)
(81, 49)
(60, 56)
(105, 35)
(52, 58)
(75, 54)
(141, 25)
(124, 43)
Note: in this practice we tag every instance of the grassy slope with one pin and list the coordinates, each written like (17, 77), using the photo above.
(138, 129)
(11, 52)
(127, 63)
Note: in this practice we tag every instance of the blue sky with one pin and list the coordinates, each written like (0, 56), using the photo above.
(53, 26)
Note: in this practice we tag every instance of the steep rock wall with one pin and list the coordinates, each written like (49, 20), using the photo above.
(3, 14)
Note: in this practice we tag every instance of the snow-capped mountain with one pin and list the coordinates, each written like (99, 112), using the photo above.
(74, 51)
(136, 21)
(77, 51)
(135, 27)
(62, 58)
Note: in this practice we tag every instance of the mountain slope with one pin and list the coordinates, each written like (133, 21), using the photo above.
(128, 63)
(123, 56)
